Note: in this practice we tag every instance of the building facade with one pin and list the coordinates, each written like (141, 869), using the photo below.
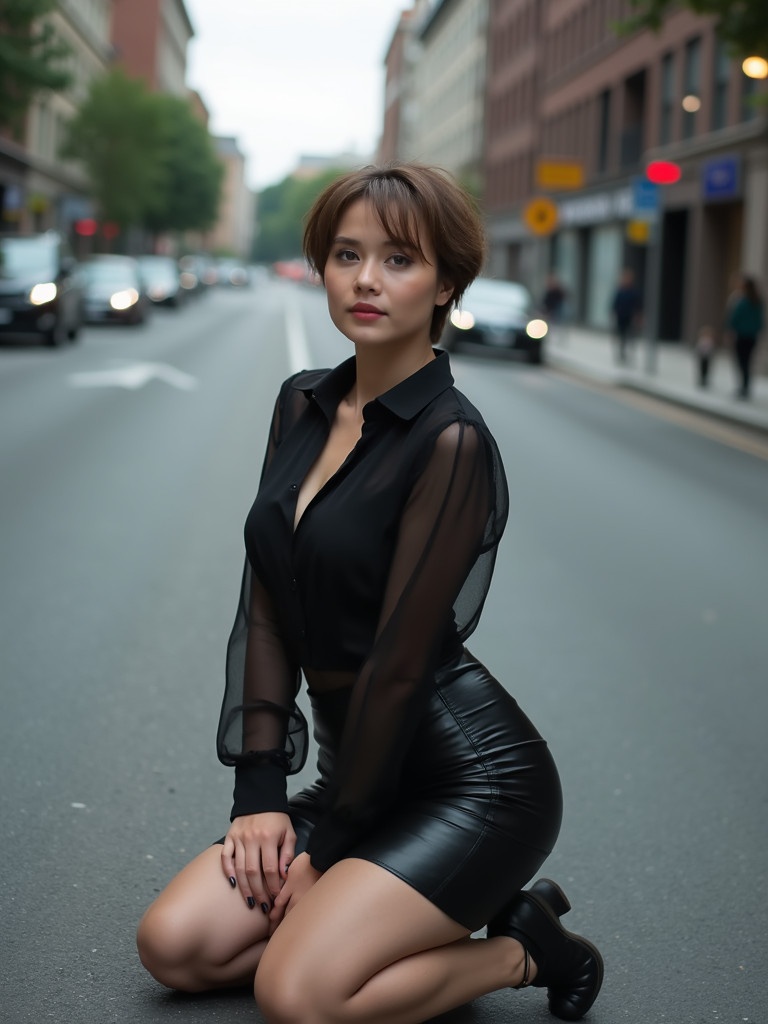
(447, 99)
(40, 189)
(234, 229)
(564, 89)
(150, 38)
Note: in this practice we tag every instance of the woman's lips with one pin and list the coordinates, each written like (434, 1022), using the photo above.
(365, 312)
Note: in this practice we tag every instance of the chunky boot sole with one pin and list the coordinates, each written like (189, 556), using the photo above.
(570, 967)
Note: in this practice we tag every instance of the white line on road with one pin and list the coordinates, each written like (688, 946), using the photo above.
(133, 376)
(298, 348)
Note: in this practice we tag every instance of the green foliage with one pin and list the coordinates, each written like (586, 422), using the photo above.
(118, 136)
(741, 24)
(192, 172)
(281, 212)
(30, 57)
(149, 160)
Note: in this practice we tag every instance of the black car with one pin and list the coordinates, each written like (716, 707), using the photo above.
(114, 290)
(162, 279)
(41, 288)
(499, 315)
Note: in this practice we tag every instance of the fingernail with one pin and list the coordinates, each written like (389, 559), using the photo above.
(232, 881)
(250, 901)
(265, 908)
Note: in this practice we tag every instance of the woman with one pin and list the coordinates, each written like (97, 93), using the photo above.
(745, 321)
(370, 548)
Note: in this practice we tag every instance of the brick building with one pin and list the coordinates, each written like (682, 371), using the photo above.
(562, 85)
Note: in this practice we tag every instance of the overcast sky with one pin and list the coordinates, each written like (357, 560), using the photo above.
(288, 77)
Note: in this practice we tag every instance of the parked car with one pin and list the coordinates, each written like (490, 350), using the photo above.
(232, 273)
(198, 272)
(162, 279)
(499, 315)
(41, 287)
(114, 290)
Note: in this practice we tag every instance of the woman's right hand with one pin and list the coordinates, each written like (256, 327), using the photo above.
(256, 853)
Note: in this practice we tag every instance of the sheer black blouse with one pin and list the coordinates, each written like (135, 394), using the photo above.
(380, 583)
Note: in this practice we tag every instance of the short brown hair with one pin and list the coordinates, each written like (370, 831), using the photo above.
(404, 197)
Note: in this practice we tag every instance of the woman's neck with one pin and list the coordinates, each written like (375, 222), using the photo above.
(379, 369)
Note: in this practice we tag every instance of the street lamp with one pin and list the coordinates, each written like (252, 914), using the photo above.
(755, 67)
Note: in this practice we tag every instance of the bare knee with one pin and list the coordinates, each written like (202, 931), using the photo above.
(287, 995)
(168, 948)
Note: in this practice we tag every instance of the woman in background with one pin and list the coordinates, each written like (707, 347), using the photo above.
(745, 321)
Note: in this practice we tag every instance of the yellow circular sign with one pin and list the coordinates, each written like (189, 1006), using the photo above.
(638, 231)
(540, 215)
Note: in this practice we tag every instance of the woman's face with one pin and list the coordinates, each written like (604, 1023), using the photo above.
(380, 291)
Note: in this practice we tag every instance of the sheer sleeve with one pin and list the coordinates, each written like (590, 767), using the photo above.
(261, 730)
(438, 580)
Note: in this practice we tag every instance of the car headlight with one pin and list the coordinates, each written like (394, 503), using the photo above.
(124, 299)
(536, 329)
(462, 319)
(43, 293)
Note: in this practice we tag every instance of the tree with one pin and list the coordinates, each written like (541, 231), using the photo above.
(741, 24)
(30, 57)
(281, 211)
(118, 134)
(192, 173)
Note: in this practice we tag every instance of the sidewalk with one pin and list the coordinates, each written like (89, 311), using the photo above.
(591, 353)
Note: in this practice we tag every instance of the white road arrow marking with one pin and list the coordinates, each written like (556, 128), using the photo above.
(133, 376)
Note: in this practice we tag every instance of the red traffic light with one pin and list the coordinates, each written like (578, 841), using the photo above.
(663, 172)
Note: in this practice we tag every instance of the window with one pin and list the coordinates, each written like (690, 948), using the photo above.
(604, 131)
(722, 72)
(748, 92)
(667, 98)
(691, 84)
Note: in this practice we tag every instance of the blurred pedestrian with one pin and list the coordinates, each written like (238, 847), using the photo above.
(704, 350)
(745, 320)
(554, 298)
(627, 308)
(370, 549)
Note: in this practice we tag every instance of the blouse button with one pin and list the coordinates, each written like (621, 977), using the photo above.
(294, 487)
(293, 584)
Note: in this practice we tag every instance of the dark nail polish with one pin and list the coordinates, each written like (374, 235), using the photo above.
(265, 908)
(250, 901)
(232, 882)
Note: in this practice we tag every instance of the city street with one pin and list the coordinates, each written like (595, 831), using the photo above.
(627, 616)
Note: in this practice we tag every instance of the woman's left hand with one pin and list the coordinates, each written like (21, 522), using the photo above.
(300, 879)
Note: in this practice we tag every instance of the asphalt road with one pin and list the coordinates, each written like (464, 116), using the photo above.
(627, 615)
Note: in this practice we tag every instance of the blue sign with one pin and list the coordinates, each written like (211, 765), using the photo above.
(645, 199)
(721, 178)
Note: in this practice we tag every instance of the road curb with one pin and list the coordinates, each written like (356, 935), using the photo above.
(710, 405)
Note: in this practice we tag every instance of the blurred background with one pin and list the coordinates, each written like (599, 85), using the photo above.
(157, 158)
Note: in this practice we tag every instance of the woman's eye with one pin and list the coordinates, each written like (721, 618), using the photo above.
(346, 255)
(399, 260)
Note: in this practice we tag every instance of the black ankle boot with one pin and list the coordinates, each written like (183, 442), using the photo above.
(568, 966)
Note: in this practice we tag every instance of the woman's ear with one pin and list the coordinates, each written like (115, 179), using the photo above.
(445, 293)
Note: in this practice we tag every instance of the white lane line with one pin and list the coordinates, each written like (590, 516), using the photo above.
(296, 336)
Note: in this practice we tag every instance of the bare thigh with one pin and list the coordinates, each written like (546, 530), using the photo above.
(356, 920)
(200, 927)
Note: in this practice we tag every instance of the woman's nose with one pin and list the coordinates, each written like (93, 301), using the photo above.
(367, 276)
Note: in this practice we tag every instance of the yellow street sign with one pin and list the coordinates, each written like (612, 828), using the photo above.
(638, 231)
(540, 216)
(559, 174)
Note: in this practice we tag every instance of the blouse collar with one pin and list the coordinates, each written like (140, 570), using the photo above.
(405, 400)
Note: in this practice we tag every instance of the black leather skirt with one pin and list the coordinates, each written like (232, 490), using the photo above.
(480, 802)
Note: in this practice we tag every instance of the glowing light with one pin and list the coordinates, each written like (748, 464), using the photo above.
(536, 329)
(125, 299)
(663, 172)
(43, 293)
(462, 319)
(755, 67)
(691, 104)
(86, 226)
